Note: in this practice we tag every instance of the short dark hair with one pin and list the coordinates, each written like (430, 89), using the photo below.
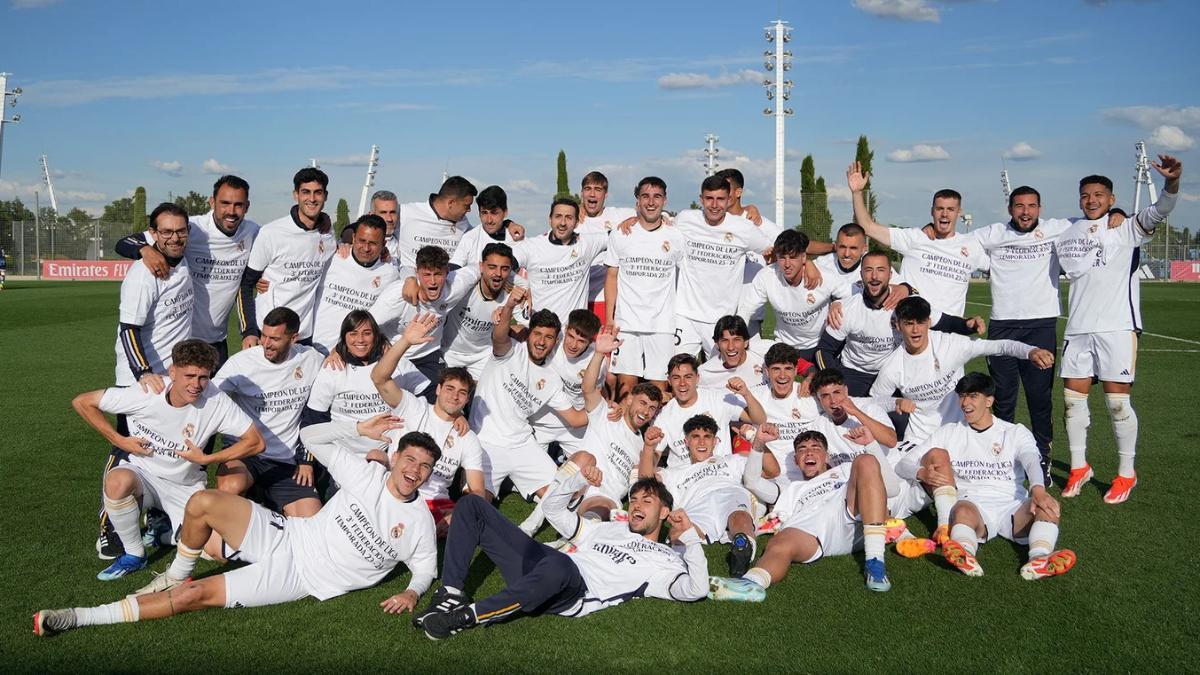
(976, 383)
(594, 178)
(655, 487)
(852, 230)
(825, 378)
(947, 193)
(913, 308)
(733, 324)
(653, 181)
(456, 373)
(310, 174)
(1096, 179)
(352, 321)
(369, 220)
(733, 176)
(457, 187)
(702, 422)
(492, 197)
(780, 353)
(499, 248)
(1025, 190)
(877, 254)
(419, 439)
(283, 316)
(544, 318)
(584, 322)
(432, 258)
(565, 201)
(193, 352)
(232, 181)
(810, 435)
(649, 390)
(168, 208)
(683, 360)
(714, 184)
(790, 242)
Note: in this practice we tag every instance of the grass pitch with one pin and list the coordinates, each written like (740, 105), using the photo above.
(1123, 608)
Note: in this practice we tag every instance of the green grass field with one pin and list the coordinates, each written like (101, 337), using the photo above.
(1123, 608)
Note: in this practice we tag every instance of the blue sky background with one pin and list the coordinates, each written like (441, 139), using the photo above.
(168, 95)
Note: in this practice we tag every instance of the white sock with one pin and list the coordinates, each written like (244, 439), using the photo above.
(126, 519)
(874, 535)
(534, 522)
(1077, 418)
(759, 576)
(943, 502)
(184, 562)
(121, 611)
(965, 535)
(1125, 428)
(1043, 535)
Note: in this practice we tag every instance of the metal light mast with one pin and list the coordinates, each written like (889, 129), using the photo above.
(779, 90)
(49, 185)
(7, 99)
(710, 154)
(1005, 185)
(1142, 177)
(370, 183)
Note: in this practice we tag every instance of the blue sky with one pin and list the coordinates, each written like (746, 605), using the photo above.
(168, 95)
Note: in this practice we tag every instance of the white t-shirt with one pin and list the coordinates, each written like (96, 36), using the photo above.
(549, 427)
(616, 447)
(469, 252)
(363, 532)
(693, 483)
(929, 378)
(722, 406)
(272, 394)
(394, 314)
(216, 261)
(799, 313)
(558, 273)
(511, 390)
(467, 338)
(712, 273)
(714, 374)
(349, 395)
(841, 449)
(162, 307)
(989, 464)
(791, 415)
(832, 273)
(347, 286)
(868, 334)
(419, 226)
(1025, 268)
(166, 428)
(802, 495)
(646, 264)
(755, 263)
(940, 269)
(457, 451)
(293, 259)
(601, 225)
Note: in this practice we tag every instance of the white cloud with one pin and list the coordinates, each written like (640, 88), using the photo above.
(903, 10)
(1189, 196)
(345, 160)
(838, 193)
(521, 186)
(1171, 139)
(920, 152)
(172, 168)
(1151, 116)
(1022, 152)
(216, 168)
(706, 81)
(83, 196)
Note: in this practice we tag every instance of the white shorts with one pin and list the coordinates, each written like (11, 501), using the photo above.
(1109, 357)
(911, 499)
(164, 494)
(570, 439)
(643, 355)
(474, 363)
(712, 510)
(614, 485)
(528, 465)
(837, 532)
(998, 519)
(692, 336)
(271, 577)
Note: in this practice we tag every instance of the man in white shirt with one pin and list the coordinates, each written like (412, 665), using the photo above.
(494, 228)
(352, 282)
(291, 254)
(439, 221)
(842, 268)
(991, 460)
(788, 406)
(689, 400)
(599, 219)
(602, 565)
(939, 266)
(467, 338)
(569, 361)
(1104, 320)
(293, 558)
(639, 291)
(557, 264)
(386, 205)
(734, 356)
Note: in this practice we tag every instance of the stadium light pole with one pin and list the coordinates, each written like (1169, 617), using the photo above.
(372, 163)
(779, 89)
(710, 154)
(9, 99)
(1005, 186)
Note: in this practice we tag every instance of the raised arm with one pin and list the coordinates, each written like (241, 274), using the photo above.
(752, 476)
(648, 460)
(606, 344)
(754, 412)
(857, 180)
(501, 342)
(416, 333)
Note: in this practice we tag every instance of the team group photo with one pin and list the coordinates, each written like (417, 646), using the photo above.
(765, 420)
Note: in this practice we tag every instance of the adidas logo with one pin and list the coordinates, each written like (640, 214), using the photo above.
(1125, 372)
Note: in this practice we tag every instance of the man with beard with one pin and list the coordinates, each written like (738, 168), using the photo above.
(467, 337)
(439, 221)
(558, 263)
(352, 282)
(599, 220)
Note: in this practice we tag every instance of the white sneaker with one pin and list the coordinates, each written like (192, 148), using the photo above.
(161, 582)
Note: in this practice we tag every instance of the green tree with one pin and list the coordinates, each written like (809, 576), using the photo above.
(863, 155)
(140, 222)
(194, 203)
(119, 211)
(823, 223)
(343, 216)
(564, 183)
(14, 210)
(808, 193)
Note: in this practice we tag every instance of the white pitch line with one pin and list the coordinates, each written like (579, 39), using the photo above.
(1177, 351)
(1157, 335)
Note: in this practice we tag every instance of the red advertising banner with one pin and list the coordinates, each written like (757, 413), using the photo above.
(1185, 270)
(86, 270)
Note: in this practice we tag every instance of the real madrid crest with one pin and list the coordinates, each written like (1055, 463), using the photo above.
(796, 413)
(540, 383)
(811, 298)
(666, 247)
(728, 236)
(965, 252)
(996, 448)
(375, 282)
(449, 440)
(397, 530)
(298, 373)
(574, 253)
(188, 430)
(241, 246)
(320, 247)
(1039, 235)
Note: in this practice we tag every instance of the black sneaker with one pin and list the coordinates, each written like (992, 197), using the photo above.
(1048, 479)
(158, 529)
(108, 544)
(740, 556)
(441, 625)
(442, 601)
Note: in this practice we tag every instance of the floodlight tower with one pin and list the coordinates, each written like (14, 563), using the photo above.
(710, 154)
(1005, 186)
(49, 185)
(7, 99)
(372, 164)
(779, 90)
(1142, 177)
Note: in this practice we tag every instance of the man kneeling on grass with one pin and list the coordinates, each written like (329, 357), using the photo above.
(374, 522)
